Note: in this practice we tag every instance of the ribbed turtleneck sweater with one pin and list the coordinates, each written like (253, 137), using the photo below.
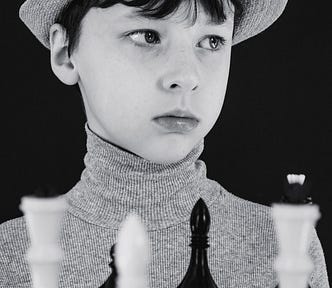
(115, 182)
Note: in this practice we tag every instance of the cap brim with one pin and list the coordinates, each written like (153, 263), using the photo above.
(258, 15)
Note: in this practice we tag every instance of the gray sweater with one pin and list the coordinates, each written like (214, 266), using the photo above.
(243, 243)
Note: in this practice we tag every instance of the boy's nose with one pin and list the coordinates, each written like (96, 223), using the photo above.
(181, 75)
(182, 82)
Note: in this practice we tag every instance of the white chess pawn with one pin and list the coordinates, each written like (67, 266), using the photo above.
(294, 224)
(132, 254)
(43, 217)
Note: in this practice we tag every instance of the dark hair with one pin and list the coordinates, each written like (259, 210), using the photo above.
(71, 15)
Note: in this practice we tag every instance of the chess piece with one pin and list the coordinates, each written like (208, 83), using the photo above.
(294, 221)
(297, 190)
(111, 282)
(45, 191)
(43, 216)
(198, 274)
(132, 254)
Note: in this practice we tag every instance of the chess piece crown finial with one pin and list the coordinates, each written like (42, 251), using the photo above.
(198, 274)
(296, 191)
(200, 224)
(45, 191)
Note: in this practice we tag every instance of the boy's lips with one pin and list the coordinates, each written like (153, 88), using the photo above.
(176, 124)
(179, 113)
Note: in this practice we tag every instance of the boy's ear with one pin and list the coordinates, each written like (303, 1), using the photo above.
(62, 66)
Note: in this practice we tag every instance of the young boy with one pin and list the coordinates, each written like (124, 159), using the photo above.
(153, 77)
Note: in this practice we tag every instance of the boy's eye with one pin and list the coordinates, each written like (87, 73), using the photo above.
(215, 42)
(146, 38)
(149, 37)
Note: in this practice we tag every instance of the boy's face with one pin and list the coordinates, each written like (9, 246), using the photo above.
(125, 86)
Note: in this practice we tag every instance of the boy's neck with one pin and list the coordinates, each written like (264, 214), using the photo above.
(115, 183)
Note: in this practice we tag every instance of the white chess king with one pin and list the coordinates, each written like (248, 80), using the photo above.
(294, 224)
(43, 217)
(132, 254)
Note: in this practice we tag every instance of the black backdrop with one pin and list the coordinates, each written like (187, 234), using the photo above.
(276, 118)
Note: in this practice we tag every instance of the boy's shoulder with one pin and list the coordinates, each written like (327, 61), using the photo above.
(248, 215)
(244, 205)
(13, 229)
(14, 242)
(14, 238)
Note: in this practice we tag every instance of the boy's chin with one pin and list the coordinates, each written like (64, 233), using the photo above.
(167, 156)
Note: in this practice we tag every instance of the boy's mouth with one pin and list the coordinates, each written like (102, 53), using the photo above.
(176, 124)
(178, 113)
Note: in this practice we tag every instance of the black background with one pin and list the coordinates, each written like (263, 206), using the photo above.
(276, 117)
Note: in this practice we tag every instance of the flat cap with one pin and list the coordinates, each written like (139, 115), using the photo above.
(40, 15)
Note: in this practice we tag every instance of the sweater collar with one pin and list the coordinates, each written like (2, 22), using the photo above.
(116, 182)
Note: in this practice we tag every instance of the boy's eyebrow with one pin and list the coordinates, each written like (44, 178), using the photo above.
(137, 16)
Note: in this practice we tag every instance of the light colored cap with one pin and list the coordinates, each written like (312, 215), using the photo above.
(40, 15)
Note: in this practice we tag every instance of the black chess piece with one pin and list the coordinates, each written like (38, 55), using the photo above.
(111, 280)
(198, 274)
(297, 193)
(45, 191)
